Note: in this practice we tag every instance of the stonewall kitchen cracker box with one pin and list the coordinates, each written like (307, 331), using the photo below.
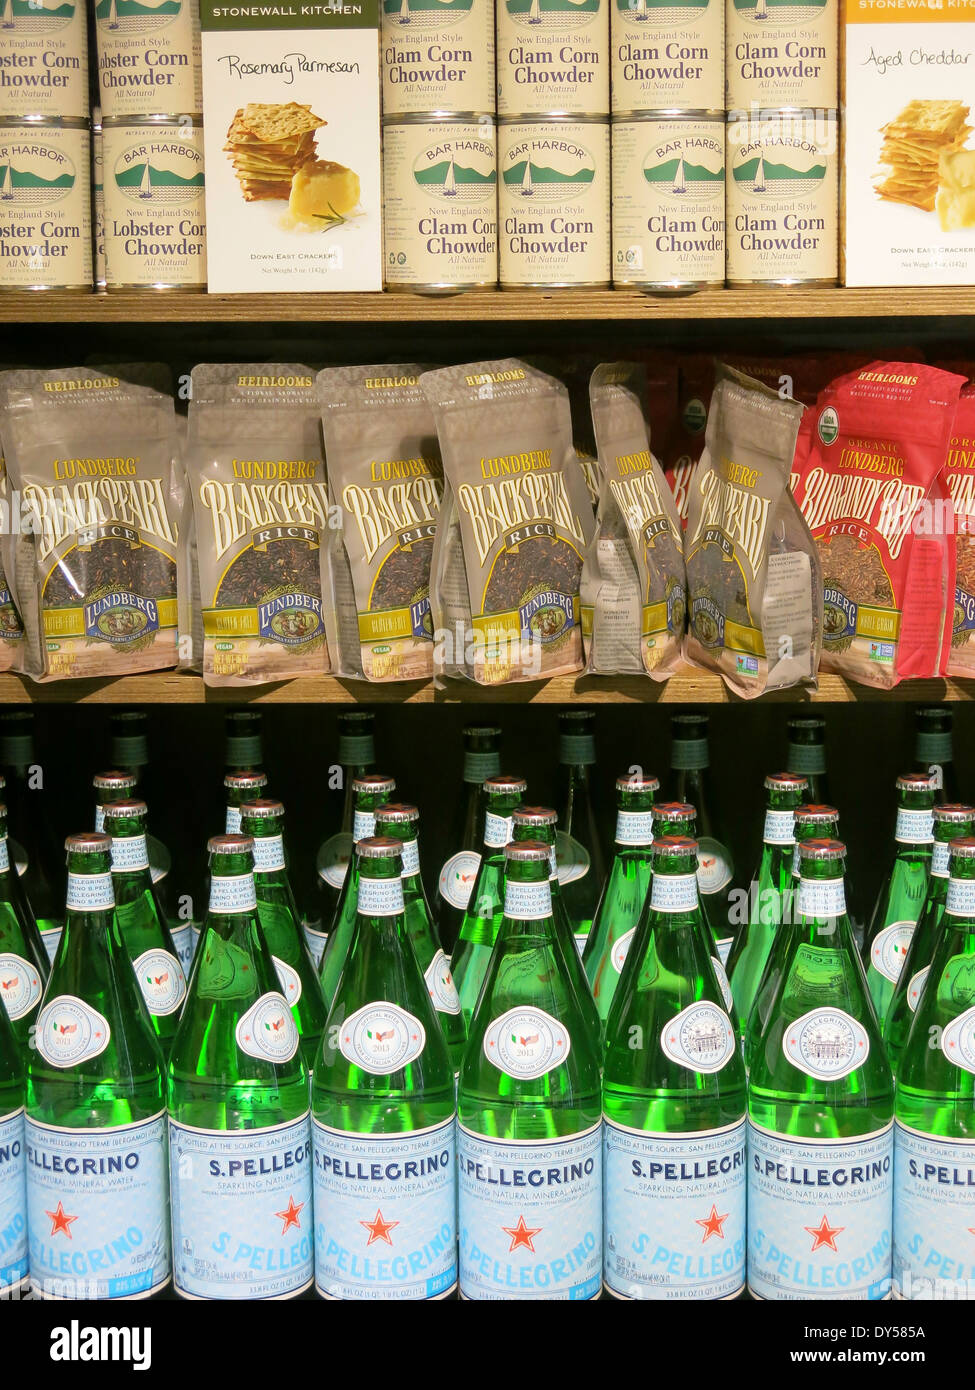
(909, 142)
(291, 118)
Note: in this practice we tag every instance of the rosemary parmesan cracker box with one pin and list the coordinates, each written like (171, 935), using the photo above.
(909, 142)
(291, 120)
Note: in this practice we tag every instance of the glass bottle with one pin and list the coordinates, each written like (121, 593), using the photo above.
(35, 846)
(247, 785)
(482, 759)
(680, 818)
(356, 759)
(934, 751)
(109, 787)
(24, 966)
(130, 754)
(579, 850)
(690, 763)
(14, 1246)
(806, 756)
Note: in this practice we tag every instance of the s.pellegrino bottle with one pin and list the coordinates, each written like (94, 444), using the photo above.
(529, 1141)
(579, 853)
(14, 1245)
(277, 912)
(680, 818)
(142, 922)
(482, 759)
(384, 1111)
(130, 754)
(951, 822)
(109, 787)
(690, 763)
(239, 1127)
(806, 756)
(934, 751)
(820, 1111)
(24, 966)
(674, 1106)
(625, 890)
(247, 785)
(356, 759)
(36, 848)
(97, 1190)
(934, 1146)
(904, 891)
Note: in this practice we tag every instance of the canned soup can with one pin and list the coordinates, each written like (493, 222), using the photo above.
(668, 201)
(98, 198)
(553, 203)
(553, 57)
(440, 204)
(667, 57)
(782, 53)
(148, 57)
(45, 205)
(782, 198)
(155, 217)
(438, 58)
(44, 59)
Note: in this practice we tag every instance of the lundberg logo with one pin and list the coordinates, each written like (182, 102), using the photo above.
(33, 173)
(78, 1343)
(463, 170)
(552, 16)
(290, 618)
(549, 171)
(30, 17)
(120, 617)
(167, 173)
(126, 18)
(684, 171)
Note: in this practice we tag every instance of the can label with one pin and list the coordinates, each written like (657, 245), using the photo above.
(98, 228)
(155, 219)
(554, 203)
(782, 53)
(45, 208)
(437, 57)
(783, 193)
(668, 56)
(44, 59)
(668, 202)
(148, 57)
(553, 56)
(13, 1202)
(440, 203)
(933, 1181)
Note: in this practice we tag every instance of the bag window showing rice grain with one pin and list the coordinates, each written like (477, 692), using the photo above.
(90, 451)
(633, 583)
(384, 472)
(959, 478)
(754, 586)
(260, 504)
(514, 524)
(868, 484)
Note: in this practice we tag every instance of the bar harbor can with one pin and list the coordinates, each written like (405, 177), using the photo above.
(438, 58)
(440, 203)
(782, 54)
(553, 203)
(553, 57)
(668, 201)
(148, 57)
(44, 59)
(667, 57)
(98, 196)
(45, 205)
(155, 216)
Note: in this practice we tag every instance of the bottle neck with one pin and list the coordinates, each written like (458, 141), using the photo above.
(233, 898)
(528, 897)
(915, 826)
(130, 855)
(498, 823)
(380, 899)
(674, 898)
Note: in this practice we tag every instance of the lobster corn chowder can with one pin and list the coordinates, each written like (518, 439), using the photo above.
(553, 203)
(782, 53)
(438, 58)
(44, 59)
(667, 57)
(553, 57)
(668, 201)
(45, 205)
(148, 57)
(440, 204)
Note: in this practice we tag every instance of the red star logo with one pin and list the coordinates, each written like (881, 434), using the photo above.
(291, 1215)
(712, 1224)
(60, 1222)
(521, 1235)
(824, 1234)
(378, 1228)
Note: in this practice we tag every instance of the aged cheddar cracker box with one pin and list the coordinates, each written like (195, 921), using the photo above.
(909, 142)
(291, 117)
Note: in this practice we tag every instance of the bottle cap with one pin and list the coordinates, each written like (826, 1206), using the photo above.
(504, 784)
(953, 813)
(785, 782)
(262, 809)
(813, 814)
(820, 849)
(91, 842)
(113, 781)
(120, 810)
(673, 811)
(243, 745)
(916, 782)
(528, 851)
(130, 747)
(675, 844)
(638, 782)
(380, 847)
(230, 844)
(397, 813)
(535, 815)
(244, 781)
(373, 784)
(963, 848)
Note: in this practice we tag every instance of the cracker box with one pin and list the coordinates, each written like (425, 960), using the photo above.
(909, 142)
(291, 118)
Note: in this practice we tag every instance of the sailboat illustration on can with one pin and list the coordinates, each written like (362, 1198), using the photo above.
(527, 190)
(6, 186)
(638, 10)
(404, 12)
(7, 10)
(758, 183)
(680, 178)
(145, 187)
(761, 9)
(534, 13)
(450, 181)
(113, 15)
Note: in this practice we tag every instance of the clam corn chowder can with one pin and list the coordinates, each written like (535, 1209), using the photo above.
(553, 203)
(437, 58)
(782, 53)
(45, 205)
(668, 201)
(440, 203)
(667, 57)
(44, 59)
(148, 57)
(782, 198)
(98, 198)
(155, 217)
(553, 57)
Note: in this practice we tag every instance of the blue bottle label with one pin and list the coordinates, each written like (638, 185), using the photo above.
(934, 1220)
(530, 1216)
(98, 1209)
(385, 1213)
(674, 1211)
(14, 1262)
(315, 941)
(242, 1210)
(184, 943)
(819, 1215)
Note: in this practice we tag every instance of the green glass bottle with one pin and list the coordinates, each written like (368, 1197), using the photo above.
(770, 900)
(482, 759)
(539, 823)
(370, 790)
(680, 818)
(384, 1107)
(529, 1141)
(14, 1245)
(820, 1108)
(934, 751)
(690, 763)
(579, 849)
(356, 759)
(247, 785)
(142, 922)
(36, 847)
(24, 966)
(934, 1145)
(263, 821)
(625, 891)
(109, 787)
(903, 894)
(806, 756)
(97, 1193)
(129, 753)
(951, 822)
(479, 929)
(239, 1128)
(673, 1105)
